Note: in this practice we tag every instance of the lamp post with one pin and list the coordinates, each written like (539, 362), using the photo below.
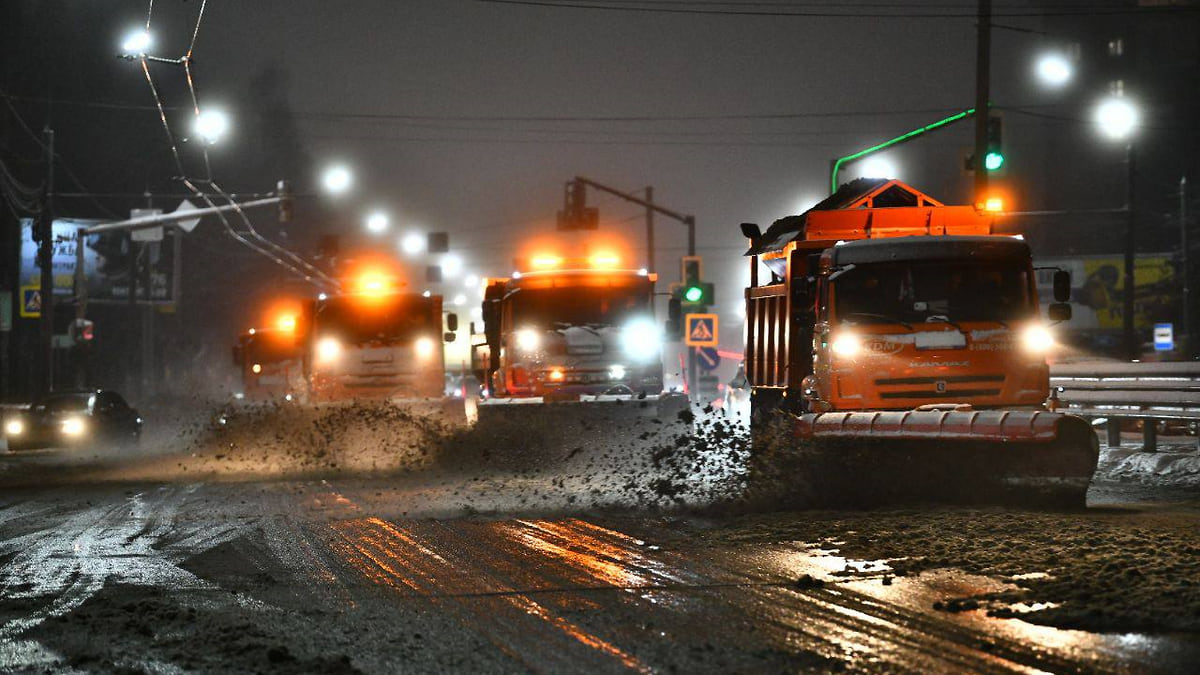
(1117, 118)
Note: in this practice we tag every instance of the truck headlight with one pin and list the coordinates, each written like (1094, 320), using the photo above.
(73, 426)
(1037, 339)
(846, 344)
(616, 372)
(328, 350)
(14, 427)
(424, 347)
(641, 339)
(528, 340)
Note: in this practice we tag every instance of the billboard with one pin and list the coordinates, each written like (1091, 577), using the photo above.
(107, 261)
(1098, 294)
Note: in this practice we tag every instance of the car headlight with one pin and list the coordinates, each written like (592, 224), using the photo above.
(641, 339)
(1037, 339)
(73, 426)
(328, 350)
(424, 347)
(846, 344)
(14, 427)
(528, 340)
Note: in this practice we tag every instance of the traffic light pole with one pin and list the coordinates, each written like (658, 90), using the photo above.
(45, 255)
(688, 221)
(983, 51)
(836, 165)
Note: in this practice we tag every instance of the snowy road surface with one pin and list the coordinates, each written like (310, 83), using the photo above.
(442, 571)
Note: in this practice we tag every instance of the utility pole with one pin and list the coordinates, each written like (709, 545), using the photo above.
(983, 55)
(649, 229)
(45, 255)
(1185, 270)
(1132, 348)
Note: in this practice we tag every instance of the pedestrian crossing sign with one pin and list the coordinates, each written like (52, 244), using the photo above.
(701, 330)
(31, 302)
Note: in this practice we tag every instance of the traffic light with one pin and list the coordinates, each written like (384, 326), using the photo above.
(283, 190)
(993, 158)
(576, 214)
(697, 294)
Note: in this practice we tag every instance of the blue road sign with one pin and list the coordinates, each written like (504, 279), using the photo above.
(707, 358)
(1164, 337)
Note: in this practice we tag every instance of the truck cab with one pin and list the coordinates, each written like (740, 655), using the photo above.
(883, 298)
(270, 361)
(376, 343)
(562, 333)
(911, 321)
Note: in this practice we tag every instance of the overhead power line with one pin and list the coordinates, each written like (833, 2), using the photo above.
(835, 10)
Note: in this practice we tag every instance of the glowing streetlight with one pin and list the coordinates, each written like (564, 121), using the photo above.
(877, 167)
(412, 243)
(136, 43)
(210, 126)
(337, 179)
(1116, 118)
(451, 265)
(377, 223)
(459, 300)
(1054, 69)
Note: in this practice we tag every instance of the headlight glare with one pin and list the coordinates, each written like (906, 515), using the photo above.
(528, 340)
(641, 339)
(73, 426)
(328, 350)
(1037, 339)
(846, 344)
(424, 347)
(14, 427)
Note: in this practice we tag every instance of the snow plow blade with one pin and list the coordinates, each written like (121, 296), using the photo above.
(540, 432)
(1031, 458)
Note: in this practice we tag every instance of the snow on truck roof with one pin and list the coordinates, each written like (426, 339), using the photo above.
(949, 247)
(869, 208)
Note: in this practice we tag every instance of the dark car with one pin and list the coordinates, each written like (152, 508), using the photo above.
(73, 419)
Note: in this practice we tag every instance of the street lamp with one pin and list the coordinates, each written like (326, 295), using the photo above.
(412, 243)
(136, 43)
(377, 222)
(1116, 119)
(210, 126)
(337, 179)
(1054, 69)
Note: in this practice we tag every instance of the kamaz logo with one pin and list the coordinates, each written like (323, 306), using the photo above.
(940, 386)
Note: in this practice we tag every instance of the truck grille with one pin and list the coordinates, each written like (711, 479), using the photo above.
(941, 387)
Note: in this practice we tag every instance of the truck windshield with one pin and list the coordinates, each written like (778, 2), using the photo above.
(390, 319)
(578, 305)
(917, 292)
(270, 348)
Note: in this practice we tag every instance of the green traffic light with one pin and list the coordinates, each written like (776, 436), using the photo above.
(993, 161)
(693, 294)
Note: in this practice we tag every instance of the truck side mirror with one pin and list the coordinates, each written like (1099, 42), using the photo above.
(1059, 311)
(452, 322)
(751, 231)
(1062, 286)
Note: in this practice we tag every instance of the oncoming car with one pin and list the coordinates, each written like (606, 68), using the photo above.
(73, 419)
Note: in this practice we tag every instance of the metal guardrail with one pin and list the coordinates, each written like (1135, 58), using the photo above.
(1118, 391)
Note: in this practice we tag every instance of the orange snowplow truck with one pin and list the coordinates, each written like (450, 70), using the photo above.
(902, 341)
